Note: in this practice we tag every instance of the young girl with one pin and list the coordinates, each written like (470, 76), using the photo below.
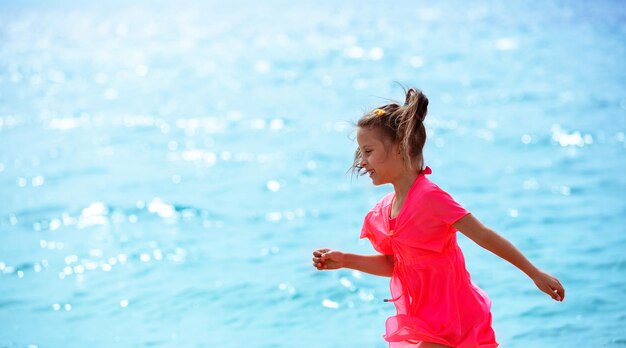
(414, 230)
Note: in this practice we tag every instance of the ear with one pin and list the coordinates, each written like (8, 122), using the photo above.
(398, 151)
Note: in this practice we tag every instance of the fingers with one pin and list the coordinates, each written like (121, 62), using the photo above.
(319, 252)
(556, 296)
(327, 259)
(555, 291)
(559, 290)
(548, 290)
(550, 285)
(319, 259)
(317, 262)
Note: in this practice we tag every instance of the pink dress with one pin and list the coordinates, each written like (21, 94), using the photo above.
(434, 297)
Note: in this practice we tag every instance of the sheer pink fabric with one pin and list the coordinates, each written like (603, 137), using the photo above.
(434, 297)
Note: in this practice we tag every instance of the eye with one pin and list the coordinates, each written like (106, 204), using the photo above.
(368, 152)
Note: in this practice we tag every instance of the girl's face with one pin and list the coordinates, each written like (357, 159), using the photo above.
(379, 158)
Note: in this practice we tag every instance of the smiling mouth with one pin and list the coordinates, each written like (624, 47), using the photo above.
(370, 172)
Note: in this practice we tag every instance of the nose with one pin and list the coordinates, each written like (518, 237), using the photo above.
(363, 162)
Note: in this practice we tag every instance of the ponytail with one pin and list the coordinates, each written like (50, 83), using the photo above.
(412, 132)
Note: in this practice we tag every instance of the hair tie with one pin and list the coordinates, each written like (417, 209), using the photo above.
(379, 112)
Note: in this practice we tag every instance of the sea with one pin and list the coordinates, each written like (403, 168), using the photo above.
(168, 167)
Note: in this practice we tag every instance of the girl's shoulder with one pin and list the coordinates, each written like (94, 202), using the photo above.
(428, 195)
(425, 187)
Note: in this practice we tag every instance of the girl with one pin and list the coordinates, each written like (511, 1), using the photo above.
(414, 229)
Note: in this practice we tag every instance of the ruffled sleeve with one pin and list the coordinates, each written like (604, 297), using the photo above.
(443, 207)
(374, 229)
(365, 229)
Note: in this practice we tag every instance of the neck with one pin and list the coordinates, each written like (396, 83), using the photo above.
(403, 183)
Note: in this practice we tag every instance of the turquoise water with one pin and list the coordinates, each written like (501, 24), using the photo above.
(167, 168)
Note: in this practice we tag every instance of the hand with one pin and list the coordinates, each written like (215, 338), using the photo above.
(327, 259)
(549, 285)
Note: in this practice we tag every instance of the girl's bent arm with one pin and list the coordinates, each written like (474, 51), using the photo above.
(490, 240)
(380, 265)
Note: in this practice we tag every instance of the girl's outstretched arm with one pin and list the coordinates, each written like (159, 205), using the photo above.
(490, 240)
(380, 265)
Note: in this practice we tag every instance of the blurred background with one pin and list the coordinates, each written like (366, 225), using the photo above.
(166, 168)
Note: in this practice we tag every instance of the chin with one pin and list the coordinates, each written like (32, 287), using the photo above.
(376, 182)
